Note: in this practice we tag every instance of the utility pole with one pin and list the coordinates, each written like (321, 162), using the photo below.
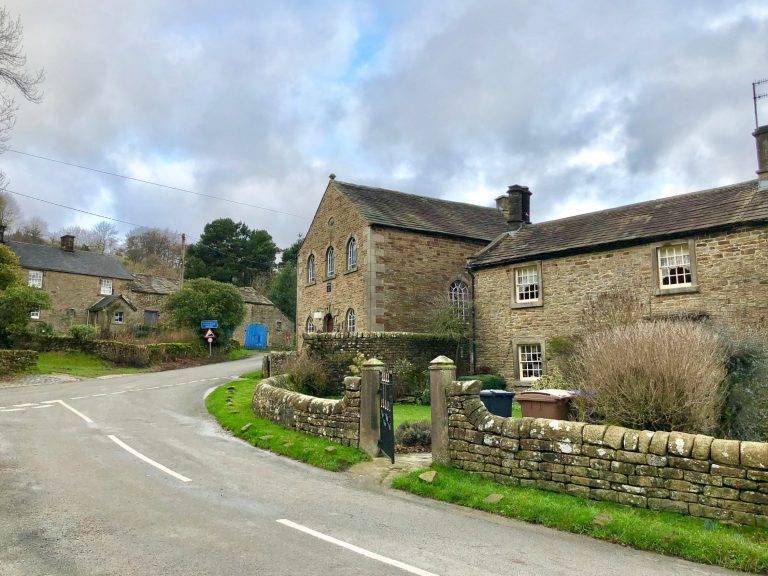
(183, 256)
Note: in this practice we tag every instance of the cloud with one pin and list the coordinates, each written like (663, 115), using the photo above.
(590, 104)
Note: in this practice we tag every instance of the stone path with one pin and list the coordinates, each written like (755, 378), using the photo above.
(380, 471)
(37, 380)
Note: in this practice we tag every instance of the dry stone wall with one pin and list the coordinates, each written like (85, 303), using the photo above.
(274, 363)
(336, 420)
(690, 474)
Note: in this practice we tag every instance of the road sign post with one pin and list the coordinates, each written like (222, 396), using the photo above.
(209, 337)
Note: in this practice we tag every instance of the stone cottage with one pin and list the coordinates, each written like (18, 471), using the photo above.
(376, 260)
(700, 255)
(149, 293)
(85, 287)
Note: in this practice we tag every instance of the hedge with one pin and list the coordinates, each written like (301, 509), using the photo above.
(122, 353)
(12, 361)
(169, 351)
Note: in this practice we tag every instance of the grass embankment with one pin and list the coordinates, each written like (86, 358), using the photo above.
(230, 404)
(240, 353)
(78, 364)
(700, 540)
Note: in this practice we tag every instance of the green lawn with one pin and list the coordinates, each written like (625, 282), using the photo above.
(700, 540)
(230, 404)
(78, 364)
(240, 353)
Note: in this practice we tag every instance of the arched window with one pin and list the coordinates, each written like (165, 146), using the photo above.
(310, 325)
(352, 254)
(330, 265)
(351, 321)
(460, 298)
(311, 269)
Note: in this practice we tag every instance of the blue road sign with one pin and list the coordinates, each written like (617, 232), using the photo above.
(209, 324)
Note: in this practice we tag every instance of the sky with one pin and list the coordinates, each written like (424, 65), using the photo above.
(590, 104)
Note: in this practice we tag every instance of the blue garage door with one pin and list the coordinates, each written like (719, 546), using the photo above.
(256, 336)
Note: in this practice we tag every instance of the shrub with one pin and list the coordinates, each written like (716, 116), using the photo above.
(170, 351)
(202, 299)
(656, 376)
(410, 380)
(490, 381)
(414, 434)
(744, 414)
(337, 365)
(122, 353)
(82, 334)
(308, 376)
(12, 361)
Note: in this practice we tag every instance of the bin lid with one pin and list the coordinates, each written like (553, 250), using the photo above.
(496, 393)
(547, 395)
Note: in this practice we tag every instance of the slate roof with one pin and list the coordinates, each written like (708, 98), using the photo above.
(149, 284)
(43, 257)
(424, 214)
(669, 217)
(251, 296)
(107, 301)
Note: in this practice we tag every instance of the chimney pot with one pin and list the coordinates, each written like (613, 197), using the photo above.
(761, 141)
(519, 205)
(68, 243)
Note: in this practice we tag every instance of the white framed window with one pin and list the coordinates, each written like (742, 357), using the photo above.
(527, 284)
(459, 293)
(35, 278)
(35, 315)
(105, 286)
(351, 321)
(351, 254)
(330, 263)
(529, 361)
(311, 269)
(310, 326)
(117, 318)
(675, 269)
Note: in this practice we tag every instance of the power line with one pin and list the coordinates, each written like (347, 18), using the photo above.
(73, 208)
(126, 177)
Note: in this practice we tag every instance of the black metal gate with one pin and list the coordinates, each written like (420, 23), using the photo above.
(386, 423)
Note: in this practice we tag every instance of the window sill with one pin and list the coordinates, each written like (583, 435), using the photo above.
(329, 278)
(351, 271)
(532, 304)
(679, 290)
(310, 284)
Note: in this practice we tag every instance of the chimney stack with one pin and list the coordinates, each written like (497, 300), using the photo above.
(68, 243)
(516, 205)
(2, 233)
(761, 139)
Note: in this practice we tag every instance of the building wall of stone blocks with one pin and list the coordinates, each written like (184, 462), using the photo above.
(336, 420)
(335, 222)
(389, 347)
(413, 276)
(690, 474)
(732, 271)
(279, 326)
(71, 297)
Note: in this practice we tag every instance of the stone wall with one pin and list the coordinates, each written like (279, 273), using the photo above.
(732, 288)
(71, 297)
(690, 474)
(274, 363)
(389, 347)
(337, 420)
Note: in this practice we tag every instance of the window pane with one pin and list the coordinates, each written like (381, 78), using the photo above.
(351, 253)
(526, 284)
(351, 321)
(105, 286)
(310, 325)
(311, 269)
(329, 262)
(530, 365)
(674, 265)
(459, 293)
(35, 278)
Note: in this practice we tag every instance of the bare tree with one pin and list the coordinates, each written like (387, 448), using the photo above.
(35, 231)
(154, 251)
(103, 237)
(9, 208)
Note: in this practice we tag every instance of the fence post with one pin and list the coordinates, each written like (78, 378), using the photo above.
(369, 406)
(442, 371)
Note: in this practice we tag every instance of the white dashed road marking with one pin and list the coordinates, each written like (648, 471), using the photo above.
(362, 551)
(146, 459)
(13, 410)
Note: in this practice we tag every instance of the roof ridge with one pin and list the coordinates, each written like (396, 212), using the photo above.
(413, 195)
(643, 202)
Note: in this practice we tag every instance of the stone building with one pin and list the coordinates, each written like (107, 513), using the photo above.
(699, 255)
(85, 287)
(376, 260)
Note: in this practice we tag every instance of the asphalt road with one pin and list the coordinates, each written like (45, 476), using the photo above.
(130, 475)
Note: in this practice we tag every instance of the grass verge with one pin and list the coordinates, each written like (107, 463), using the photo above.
(230, 404)
(699, 540)
(416, 412)
(78, 364)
